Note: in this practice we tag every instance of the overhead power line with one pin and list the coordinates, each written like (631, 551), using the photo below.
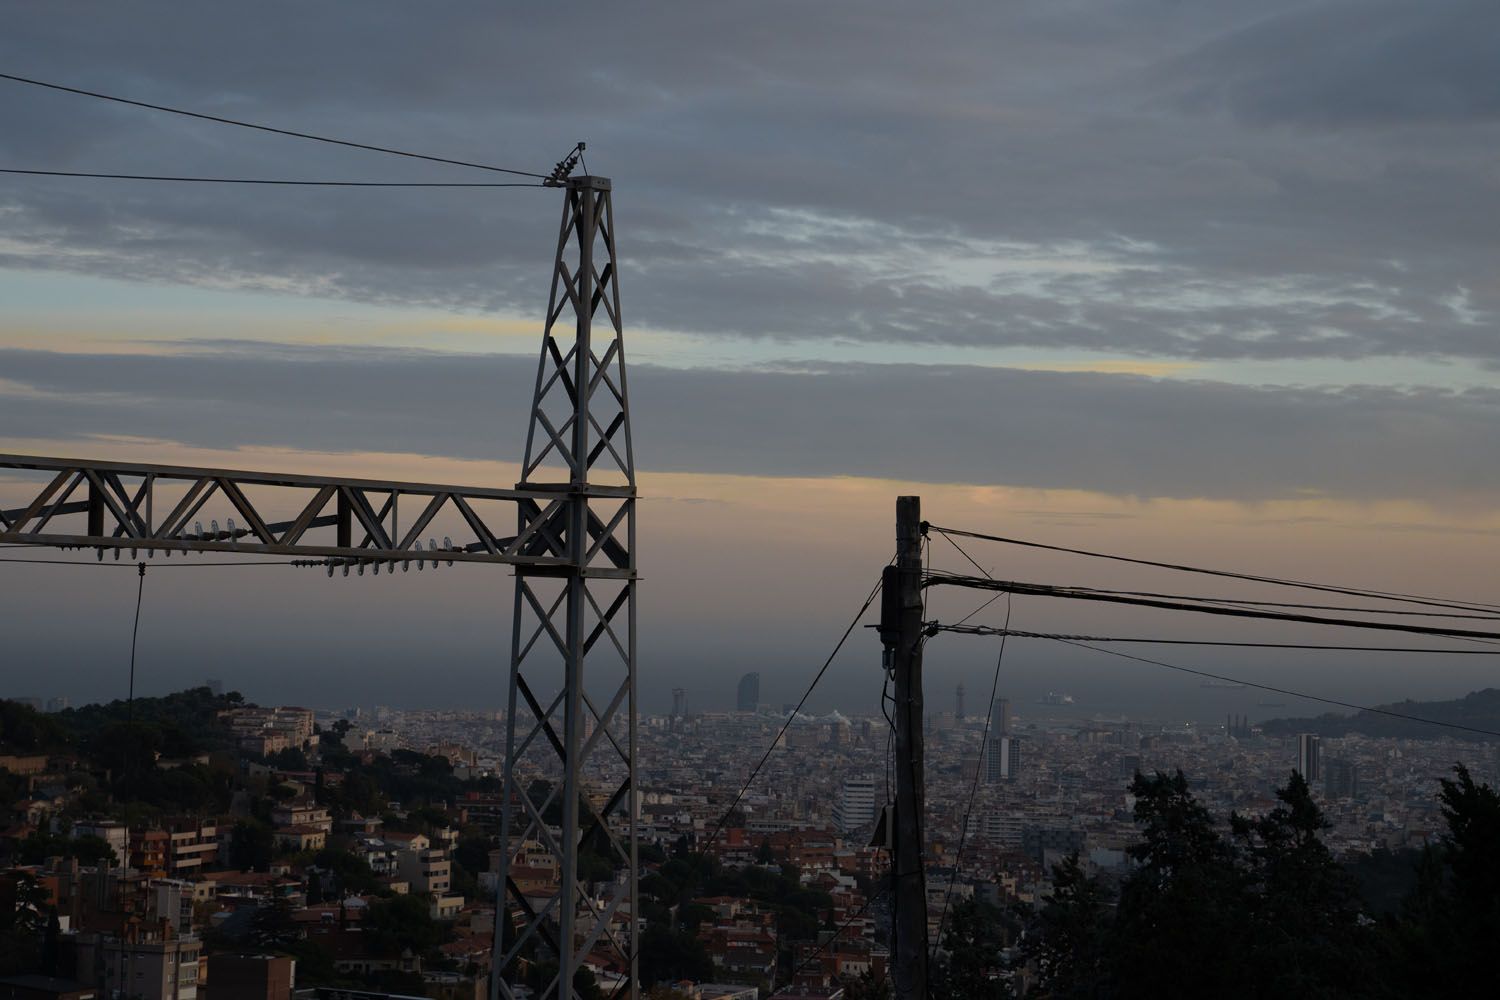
(1075, 641)
(268, 128)
(282, 183)
(1236, 601)
(1251, 577)
(986, 630)
(1048, 590)
(832, 940)
(1281, 690)
(135, 631)
(718, 827)
(984, 738)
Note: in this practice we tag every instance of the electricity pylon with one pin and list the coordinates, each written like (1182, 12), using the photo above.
(573, 643)
(580, 618)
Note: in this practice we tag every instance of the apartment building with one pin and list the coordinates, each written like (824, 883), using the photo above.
(148, 962)
(302, 813)
(427, 870)
(191, 847)
(264, 731)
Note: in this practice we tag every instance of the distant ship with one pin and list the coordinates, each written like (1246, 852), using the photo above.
(1225, 685)
(1052, 698)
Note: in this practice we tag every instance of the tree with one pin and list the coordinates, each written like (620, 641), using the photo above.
(402, 922)
(1070, 940)
(670, 956)
(690, 916)
(25, 730)
(128, 750)
(1385, 878)
(429, 818)
(1185, 903)
(471, 858)
(540, 975)
(251, 845)
(348, 874)
(1444, 939)
(39, 845)
(1305, 935)
(91, 850)
(594, 867)
(288, 759)
(1472, 853)
(361, 793)
(24, 924)
(272, 927)
(972, 968)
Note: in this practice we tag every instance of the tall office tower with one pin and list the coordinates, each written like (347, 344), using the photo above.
(856, 805)
(958, 708)
(1340, 779)
(679, 703)
(1307, 757)
(1002, 759)
(749, 693)
(1000, 718)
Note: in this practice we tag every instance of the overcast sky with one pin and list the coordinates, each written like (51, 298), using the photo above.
(1212, 280)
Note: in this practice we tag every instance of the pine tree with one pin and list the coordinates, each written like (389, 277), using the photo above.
(1182, 919)
(1305, 934)
(1444, 940)
(1068, 943)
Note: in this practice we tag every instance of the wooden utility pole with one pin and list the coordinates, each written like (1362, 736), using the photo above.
(901, 633)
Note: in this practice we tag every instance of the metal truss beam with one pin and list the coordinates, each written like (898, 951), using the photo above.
(575, 635)
(162, 508)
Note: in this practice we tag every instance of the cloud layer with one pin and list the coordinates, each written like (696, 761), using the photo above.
(1117, 434)
(1288, 180)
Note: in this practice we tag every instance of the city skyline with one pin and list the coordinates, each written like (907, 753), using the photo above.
(1239, 351)
(812, 808)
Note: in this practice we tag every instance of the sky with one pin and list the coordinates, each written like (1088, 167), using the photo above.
(1205, 282)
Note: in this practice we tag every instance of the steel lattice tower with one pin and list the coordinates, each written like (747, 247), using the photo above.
(572, 696)
(575, 624)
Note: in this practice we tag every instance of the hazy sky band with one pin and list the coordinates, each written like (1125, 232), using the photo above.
(1208, 280)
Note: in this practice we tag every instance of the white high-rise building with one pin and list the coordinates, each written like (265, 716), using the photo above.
(856, 806)
(1002, 759)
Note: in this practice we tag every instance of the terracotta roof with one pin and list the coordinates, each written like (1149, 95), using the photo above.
(300, 828)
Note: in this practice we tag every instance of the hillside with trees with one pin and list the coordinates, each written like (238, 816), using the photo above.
(1477, 710)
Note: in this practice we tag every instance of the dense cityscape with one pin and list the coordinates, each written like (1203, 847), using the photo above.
(210, 841)
(448, 459)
